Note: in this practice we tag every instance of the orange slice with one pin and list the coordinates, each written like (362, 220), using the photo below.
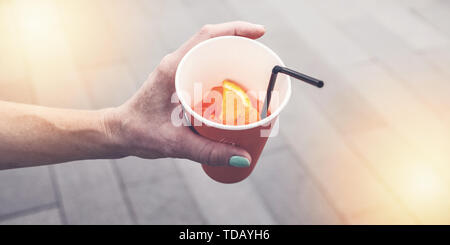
(237, 108)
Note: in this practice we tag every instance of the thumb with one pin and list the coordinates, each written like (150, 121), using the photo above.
(205, 151)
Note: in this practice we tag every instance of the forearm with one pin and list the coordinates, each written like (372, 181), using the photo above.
(34, 135)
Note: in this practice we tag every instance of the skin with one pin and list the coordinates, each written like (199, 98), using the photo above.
(34, 135)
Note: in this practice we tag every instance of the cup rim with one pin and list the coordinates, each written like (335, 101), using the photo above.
(210, 123)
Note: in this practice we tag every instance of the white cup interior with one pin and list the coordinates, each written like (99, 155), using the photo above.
(240, 59)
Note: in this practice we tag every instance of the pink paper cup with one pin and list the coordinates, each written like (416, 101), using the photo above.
(247, 62)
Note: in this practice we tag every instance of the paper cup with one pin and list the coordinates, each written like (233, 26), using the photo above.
(247, 62)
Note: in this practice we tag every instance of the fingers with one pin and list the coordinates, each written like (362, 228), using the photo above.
(235, 28)
(205, 151)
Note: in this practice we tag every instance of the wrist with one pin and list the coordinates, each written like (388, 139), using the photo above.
(111, 127)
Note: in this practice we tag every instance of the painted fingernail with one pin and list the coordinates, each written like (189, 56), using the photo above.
(239, 162)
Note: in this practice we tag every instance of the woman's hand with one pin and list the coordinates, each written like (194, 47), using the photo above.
(142, 126)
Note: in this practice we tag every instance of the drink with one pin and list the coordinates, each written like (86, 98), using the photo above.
(230, 104)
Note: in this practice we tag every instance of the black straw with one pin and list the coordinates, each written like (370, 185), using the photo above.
(276, 69)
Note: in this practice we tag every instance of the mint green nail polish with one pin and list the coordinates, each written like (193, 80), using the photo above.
(240, 162)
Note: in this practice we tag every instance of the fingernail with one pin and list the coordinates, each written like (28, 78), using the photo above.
(239, 162)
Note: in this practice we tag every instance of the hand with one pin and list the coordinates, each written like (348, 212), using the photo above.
(142, 126)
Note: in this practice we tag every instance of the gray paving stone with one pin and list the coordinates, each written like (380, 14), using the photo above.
(219, 203)
(342, 173)
(91, 194)
(289, 192)
(141, 69)
(175, 25)
(385, 215)
(45, 217)
(436, 13)
(114, 81)
(407, 67)
(157, 192)
(166, 201)
(222, 12)
(274, 144)
(136, 171)
(22, 189)
(144, 51)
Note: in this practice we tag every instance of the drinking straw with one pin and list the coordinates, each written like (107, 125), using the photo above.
(276, 69)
